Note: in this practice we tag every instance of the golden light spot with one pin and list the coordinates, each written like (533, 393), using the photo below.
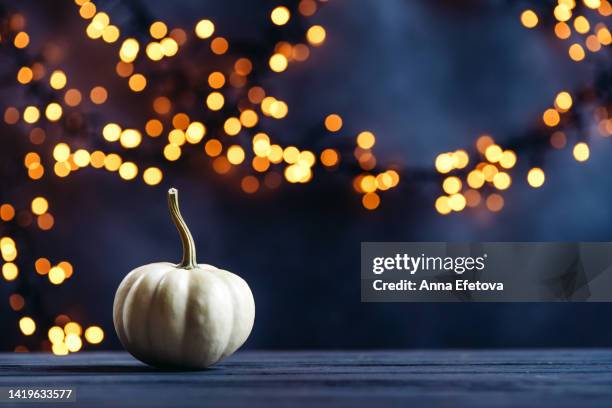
(276, 154)
(177, 137)
(593, 4)
(130, 138)
(562, 30)
(204, 29)
(111, 34)
(31, 114)
(232, 127)
(562, 12)
(536, 177)
(56, 334)
(508, 159)
(248, 118)
(98, 95)
(97, 159)
(576, 52)
(7, 212)
(45, 221)
(563, 101)
(457, 202)
(137, 82)
(367, 183)
(493, 153)
(111, 132)
(67, 268)
(94, 335)
(316, 35)
(24, 75)
(489, 171)
(451, 185)
(158, 30)
(39, 205)
(502, 180)
(195, 132)
(249, 184)
(291, 154)
(216, 80)
(53, 112)
(169, 47)
(280, 15)
(30, 159)
(592, 43)
(81, 158)
(329, 157)
(581, 152)
(219, 46)
(213, 148)
(460, 159)
(551, 117)
(604, 36)
(215, 101)
(61, 169)
(529, 19)
(278, 63)
(27, 325)
(278, 109)
(10, 271)
(333, 123)
(61, 152)
(36, 171)
(128, 171)
(16, 301)
(112, 162)
(87, 10)
(444, 163)
(235, 154)
(22, 39)
(172, 152)
(129, 50)
(581, 24)
(495, 202)
(370, 201)
(152, 176)
(73, 342)
(72, 97)
(442, 206)
(59, 349)
(154, 51)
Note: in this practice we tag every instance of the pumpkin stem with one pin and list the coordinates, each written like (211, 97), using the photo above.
(189, 252)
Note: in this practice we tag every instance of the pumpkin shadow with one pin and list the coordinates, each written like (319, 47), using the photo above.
(99, 369)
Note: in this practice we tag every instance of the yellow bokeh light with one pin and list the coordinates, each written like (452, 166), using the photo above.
(24, 75)
(112, 162)
(248, 118)
(94, 335)
(280, 15)
(31, 114)
(291, 154)
(195, 132)
(493, 153)
(563, 101)
(278, 63)
(169, 47)
(158, 30)
(502, 180)
(457, 202)
(59, 349)
(204, 29)
(442, 205)
(61, 152)
(10, 271)
(152, 176)
(111, 34)
(73, 328)
(576, 52)
(39, 205)
(56, 275)
(129, 50)
(593, 4)
(581, 152)
(235, 154)
(451, 185)
(53, 112)
(582, 25)
(111, 132)
(536, 177)
(316, 35)
(128, 171)
(232, 126)
(529, 18)
(508, 159)
(444, 163)
(130, 138)
(562, 12)
(215, 101)
(551, 117)
(73, 342)
(56, 334)
(172, 152)
(97, 159)
(22, 39)
(27, 325)
(154, 51)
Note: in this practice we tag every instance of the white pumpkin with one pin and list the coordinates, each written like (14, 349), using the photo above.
(186, 315)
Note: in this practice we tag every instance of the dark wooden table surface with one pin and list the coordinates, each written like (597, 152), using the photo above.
(542, 378)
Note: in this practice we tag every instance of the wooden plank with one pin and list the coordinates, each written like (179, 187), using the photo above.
(560, 378)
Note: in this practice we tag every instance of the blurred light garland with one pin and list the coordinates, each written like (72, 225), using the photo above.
(234, 107)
